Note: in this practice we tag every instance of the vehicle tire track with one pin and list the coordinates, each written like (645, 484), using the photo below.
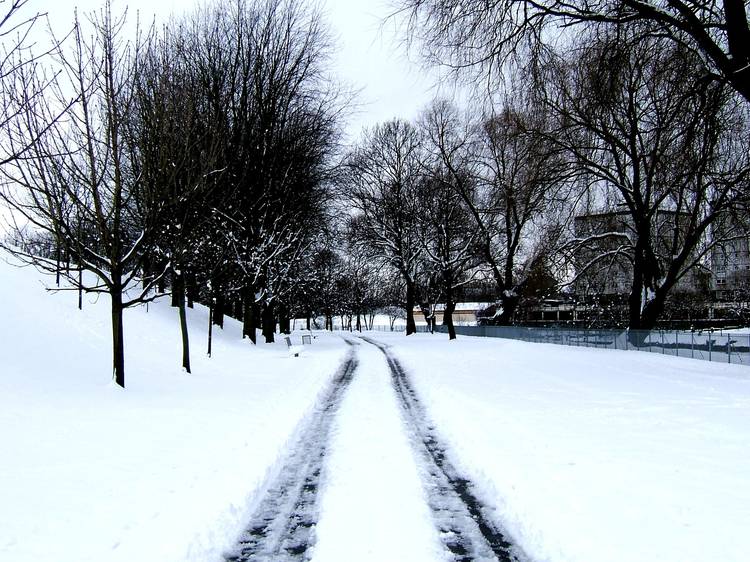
(282, 527)
(464, 527)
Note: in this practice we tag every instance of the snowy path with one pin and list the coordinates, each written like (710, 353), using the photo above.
(465, 529)
(373, 507)
(283, 524)
(369, 480)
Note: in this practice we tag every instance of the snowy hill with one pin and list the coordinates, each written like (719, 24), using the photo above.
(167, 469)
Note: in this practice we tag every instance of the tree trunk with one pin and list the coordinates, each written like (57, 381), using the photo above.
(118, 348)
(284, 320)
(238, 308)
(218, 308)
(178, 292)
(509, 302)
(269, 322)
(359, 323)
(58, 266)
(175, 299)
(411, 298)
(248, 299)
(80, 288)
(652, 311)
(191, 289)
(308, 321)
(450, 306)
(210, 325)
(162, 283)
(254, 321)
(145, 270)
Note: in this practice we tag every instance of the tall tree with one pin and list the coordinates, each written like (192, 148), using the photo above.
(178, 151)
(671, 147)
(511, 177)
(448, 235)
(380, 182)
(261, 66)
(78, 181)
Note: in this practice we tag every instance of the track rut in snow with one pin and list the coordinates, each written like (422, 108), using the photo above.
(464, 528)
(282, 528)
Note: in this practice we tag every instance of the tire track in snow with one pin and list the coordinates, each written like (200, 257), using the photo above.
(282, 527)
(464, 528)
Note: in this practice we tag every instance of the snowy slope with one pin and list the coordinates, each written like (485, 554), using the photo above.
(167, 470)
(594, 455)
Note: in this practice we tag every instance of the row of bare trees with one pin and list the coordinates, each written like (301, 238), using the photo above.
(620, 120)
(194, 157)
(445, 201)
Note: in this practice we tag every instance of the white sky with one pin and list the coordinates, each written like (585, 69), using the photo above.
(368, 57)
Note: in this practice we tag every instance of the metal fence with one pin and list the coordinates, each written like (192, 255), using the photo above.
(709, 345)
(375, 328)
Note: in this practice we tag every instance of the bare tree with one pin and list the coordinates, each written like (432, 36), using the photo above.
(78, 180)
(477, 35)
(261, 69)
(448, 233)
(178, 150)
(669, 146)
(510, 177)
(380, 182)
(23, 76)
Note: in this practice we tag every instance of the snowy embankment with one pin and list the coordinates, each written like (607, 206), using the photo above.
(594, 455)
(167, 470)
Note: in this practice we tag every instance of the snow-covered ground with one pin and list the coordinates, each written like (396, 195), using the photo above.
(167, 470)
(595, 454)
(581, 454)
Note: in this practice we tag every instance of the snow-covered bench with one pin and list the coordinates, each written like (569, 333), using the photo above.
(293, 349)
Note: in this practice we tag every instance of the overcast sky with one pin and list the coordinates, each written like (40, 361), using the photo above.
(368, 54)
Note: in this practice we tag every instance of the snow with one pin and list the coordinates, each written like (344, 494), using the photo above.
(581, 454)
(592, 454)
(166, 470)
(373, 503)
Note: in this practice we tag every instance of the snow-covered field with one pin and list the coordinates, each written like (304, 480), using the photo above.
(167, 470)
(595, 454)
(583, 455)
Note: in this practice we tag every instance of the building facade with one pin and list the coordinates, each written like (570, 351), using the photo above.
(603, 254)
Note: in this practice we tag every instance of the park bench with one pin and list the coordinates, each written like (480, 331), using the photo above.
(293, 349)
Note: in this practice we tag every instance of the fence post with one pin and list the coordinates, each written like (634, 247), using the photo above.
(676, 343)
(729, 349)
(663, 349)
(710, 345)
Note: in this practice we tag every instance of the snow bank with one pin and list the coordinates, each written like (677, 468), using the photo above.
(590, 454)
(166, 470)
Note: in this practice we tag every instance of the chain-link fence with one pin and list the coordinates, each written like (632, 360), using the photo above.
(709, 345)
